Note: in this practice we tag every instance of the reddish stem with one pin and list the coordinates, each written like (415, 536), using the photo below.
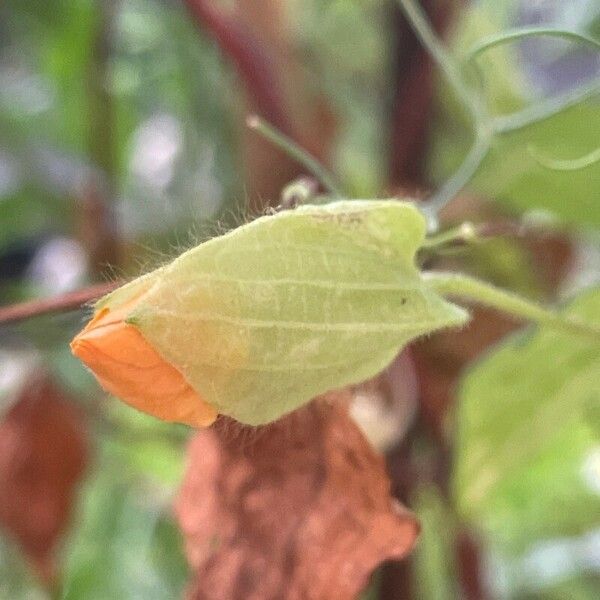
(413, 93)
(469, 566)
(62, 303)
(249, 57)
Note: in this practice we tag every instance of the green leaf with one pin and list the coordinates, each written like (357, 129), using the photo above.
(512, 175)
(287, 307)
(527, 433)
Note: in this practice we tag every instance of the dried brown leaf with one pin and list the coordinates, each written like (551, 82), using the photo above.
(43, 454)
(300, 509)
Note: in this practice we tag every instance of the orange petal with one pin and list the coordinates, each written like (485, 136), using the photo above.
(127, 366)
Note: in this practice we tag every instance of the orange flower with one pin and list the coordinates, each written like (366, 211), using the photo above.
(127, 366)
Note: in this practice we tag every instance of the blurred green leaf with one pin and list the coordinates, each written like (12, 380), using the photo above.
(125, 543)
(31, 212)
(434, 554)
(146, 445)
(582, 588)
(510, 174)
(16, 577)
(527, 448)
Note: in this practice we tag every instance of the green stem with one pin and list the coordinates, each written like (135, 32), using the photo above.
(291, 148)
(462, 176)
(473, 102)
(484, 126)
(445, 62)
(466, 232)
(469, 288)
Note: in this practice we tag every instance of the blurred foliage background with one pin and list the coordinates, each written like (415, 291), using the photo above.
(122, 141)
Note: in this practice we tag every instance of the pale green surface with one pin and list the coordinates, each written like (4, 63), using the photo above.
(527, 422)
(287, 307)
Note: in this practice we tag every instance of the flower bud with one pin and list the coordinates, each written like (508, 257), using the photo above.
(257, 322)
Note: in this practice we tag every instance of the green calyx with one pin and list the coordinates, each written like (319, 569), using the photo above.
(285, 308)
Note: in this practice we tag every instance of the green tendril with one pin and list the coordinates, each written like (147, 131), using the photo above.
(519, 33)
(546, 109)
(486, 127)
(557, 164)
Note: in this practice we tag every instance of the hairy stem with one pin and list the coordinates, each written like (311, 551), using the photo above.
(469, 288)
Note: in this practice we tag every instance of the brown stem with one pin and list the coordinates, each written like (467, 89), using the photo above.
(413, 93)
(249, 57)
(469, 567)
(97, 222)
(55, 304)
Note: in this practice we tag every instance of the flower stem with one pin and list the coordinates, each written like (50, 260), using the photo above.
(464, 233)
(64, 303)
(470, 288)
